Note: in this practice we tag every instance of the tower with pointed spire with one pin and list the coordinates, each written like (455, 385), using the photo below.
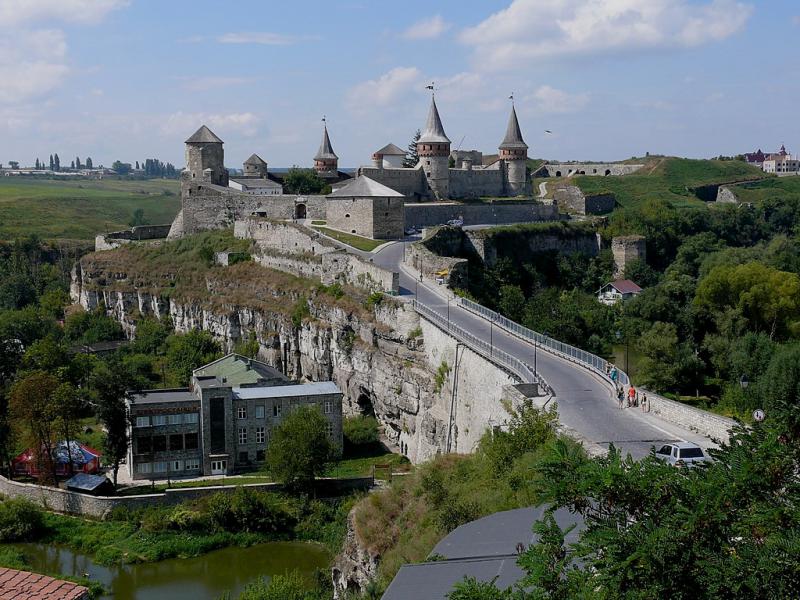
(205, 158)
(326, 163)
(514, 152)
(433, 148)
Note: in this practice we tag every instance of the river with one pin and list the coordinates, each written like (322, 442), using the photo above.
(204, 577)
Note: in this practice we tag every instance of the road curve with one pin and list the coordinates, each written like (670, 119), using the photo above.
(585, 401)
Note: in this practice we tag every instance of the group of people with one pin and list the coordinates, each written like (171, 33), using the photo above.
(630, 400)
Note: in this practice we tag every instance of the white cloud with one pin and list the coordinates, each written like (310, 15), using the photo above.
(533, 29)
(202, 84)
(426, 29)
(548, 99)
(384, 90)
(181, 123)
(266, 38)
(32, 63)
(88, 12)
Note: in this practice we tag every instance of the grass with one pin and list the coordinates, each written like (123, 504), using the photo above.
(670, 179)
(772, 190)
(356, 241)
(79, 210)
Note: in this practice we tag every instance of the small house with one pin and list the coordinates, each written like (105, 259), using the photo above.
(94, 485)
(621, 289)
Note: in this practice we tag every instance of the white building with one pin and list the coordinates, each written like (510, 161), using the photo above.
(389, 157)
(256, 186)
(621, 289)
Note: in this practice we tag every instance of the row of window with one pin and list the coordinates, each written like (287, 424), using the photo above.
(178, 419)
(277, 409)
(172, 466)
(262, 434)
(162, 443)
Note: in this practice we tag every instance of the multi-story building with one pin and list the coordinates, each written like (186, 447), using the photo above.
(222, 422)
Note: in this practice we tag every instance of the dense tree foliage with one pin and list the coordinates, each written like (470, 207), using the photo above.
(302, 181)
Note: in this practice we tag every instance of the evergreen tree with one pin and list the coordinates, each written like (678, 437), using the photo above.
(37, 164)
(56, 163)
(412, 158)
(52, 164)
(77, 162)
(72, 166)
(88, 162)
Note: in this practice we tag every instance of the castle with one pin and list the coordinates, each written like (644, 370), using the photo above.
(373, 204)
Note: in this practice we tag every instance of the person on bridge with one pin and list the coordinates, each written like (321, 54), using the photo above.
(644, 403)
(631, 396)
(621, 396)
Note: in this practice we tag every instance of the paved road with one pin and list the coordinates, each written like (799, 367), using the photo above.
(585, 401)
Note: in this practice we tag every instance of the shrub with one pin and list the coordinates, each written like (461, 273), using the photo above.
(250, 511)
(373, 300)
(361, 430)
(441, 376)
(279, 587)
(20, 521)
(300, 311)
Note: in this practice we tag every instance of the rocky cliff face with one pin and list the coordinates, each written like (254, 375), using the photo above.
(380, 368)
(354, 567)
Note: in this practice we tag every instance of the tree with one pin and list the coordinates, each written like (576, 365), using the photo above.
(88, 162)
(412, 156)
(121, 168)
(72, 166)
(78, 162)
(112, 384)
(52, 164)
(138, 218)
(302, 181)
(35, 412)
(190, 351)
(56, 163)
(300, 448)
(37, 164)
(137, 165)
(14, 164)
(67, 409)
(150, 335)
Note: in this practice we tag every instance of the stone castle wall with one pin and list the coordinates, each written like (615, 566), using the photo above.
(115, 239)
(282, 236)
(592, 169)
(409, 182)
(627, 249)
(474, 183)
(572, 199)
(429, 214)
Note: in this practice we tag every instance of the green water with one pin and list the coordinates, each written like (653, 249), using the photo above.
(204, 577)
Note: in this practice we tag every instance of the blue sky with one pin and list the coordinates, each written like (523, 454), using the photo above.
(610, 78)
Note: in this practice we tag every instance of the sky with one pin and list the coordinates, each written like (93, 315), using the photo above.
(611, 79)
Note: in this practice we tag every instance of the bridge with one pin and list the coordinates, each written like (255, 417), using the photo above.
(584, 393)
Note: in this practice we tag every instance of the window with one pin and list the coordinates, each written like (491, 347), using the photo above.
(159, 443)
(329, 428)
(261, 411)
(143, 468)
(665, 450)
(144, 445)
(160, 467)
(192, 464)
(176, 441)
(177, 465)
(143, 421)
(347, 215)
(242, 435)
(190, 418)
(276, 410)
(241, 412)
(175, 419)
(159, 419)
(328, 407)
(691, 453)
(190, 441)
(260, 435)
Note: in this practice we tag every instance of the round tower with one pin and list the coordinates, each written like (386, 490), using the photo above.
(205, 158)
(326, 162)
(433, 148)
(514, 152)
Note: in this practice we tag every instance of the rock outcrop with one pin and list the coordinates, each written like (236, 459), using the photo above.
(354, 566)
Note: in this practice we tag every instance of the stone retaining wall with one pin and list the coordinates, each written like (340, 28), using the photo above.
(502, 213)
(64, 501)
(114, 239)
(429, 263)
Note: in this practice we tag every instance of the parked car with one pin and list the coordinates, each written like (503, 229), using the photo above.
(411, 231)
(682, 454)
(456, 222)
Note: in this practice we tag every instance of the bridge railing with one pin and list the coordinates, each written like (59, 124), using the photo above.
(587, 359)
(518, 368)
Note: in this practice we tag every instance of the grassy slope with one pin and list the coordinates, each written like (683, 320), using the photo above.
(773, 189)
(667, 179)
(356, 241)
(81, 209)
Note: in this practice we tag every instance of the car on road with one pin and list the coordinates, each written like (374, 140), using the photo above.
(411, 231)
(682, 454)
(456, 222)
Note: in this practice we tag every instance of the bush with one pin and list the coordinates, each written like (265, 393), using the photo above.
(20, 521)
(279, 587)
(361, 430)
(300, 311)
(373, 300)
(251, 511)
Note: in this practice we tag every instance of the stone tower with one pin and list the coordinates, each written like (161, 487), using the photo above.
(255, 166)
(326, 162)
(205, 158)
(514, 151)
(627, 249)
(433, 148)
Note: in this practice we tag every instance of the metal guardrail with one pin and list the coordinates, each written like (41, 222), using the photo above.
(518, 368)
(586, 359)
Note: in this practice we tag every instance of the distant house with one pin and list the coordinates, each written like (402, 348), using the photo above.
(83, 458)
(256, 186)
(621, 289)
(32, 586)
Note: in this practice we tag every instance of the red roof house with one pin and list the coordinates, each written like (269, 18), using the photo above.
(621, 289)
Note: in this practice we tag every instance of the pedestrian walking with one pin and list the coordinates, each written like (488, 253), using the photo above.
(645, 406)
(631, 395)
(620, 396)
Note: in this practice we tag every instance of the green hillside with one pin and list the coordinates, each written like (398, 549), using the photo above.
(79, 210)
(770, 190)
(669, 179)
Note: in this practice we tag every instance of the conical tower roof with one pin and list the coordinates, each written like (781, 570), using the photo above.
(433, 132)
(325, 151)
(513, 139)
(204, 136)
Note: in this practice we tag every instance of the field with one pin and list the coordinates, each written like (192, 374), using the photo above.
(669, 179)
(79, 210)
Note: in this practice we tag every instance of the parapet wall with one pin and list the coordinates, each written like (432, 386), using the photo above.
(591, 169)
(409, 182)
(64, 501)
(703, 422)
(507, 212)
(109, 241)
(572, 199)
(474, 183)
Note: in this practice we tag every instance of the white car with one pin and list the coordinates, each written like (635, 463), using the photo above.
(456, 222)
(682, 454)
